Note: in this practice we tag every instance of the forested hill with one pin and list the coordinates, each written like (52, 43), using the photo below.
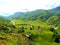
(57, 9)
(3, 19)
(52, 15)
(33, 15)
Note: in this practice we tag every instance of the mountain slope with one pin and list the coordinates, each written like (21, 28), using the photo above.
(17, 15)
(42, 15)
(3, 19)
(57, 9)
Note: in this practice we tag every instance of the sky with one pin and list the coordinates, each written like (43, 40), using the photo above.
(9, 7)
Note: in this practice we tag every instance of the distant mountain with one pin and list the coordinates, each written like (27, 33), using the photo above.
(43, 15)
(57, 9)
(17, 15)
(1, 16)
(3, 19)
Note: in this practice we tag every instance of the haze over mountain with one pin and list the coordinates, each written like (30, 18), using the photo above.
(9, 7)
(52, 15)
(39, 11)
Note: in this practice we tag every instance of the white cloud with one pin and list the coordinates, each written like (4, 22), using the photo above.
(11, 6)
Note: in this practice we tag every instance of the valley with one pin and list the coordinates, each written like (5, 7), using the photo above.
(39, 27)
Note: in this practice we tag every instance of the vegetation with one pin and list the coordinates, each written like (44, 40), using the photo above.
(40, 27)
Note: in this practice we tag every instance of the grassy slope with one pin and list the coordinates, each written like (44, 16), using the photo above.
(40, 38)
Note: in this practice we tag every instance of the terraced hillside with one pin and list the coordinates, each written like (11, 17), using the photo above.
(39, 27)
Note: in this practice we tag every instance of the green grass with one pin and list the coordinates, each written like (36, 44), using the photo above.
(39, 38)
